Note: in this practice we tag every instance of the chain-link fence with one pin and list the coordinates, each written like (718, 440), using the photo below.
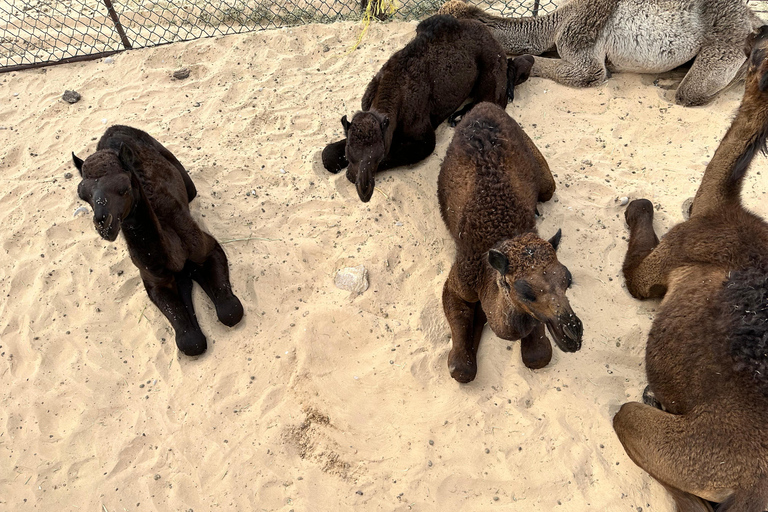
(39, 32)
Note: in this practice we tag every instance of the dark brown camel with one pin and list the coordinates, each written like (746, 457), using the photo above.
(134, 183)
(418, 88)
(489, 183)
(707, 352)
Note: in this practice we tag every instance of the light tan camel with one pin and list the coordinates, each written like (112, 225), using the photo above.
(596, 37)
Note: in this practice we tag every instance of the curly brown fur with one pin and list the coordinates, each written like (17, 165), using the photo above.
(707, 352)
(489, 184)
(597, 37)
(419, 87)
(135, 185)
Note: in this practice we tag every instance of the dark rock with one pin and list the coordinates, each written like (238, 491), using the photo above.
(71, 96)
(181, 74)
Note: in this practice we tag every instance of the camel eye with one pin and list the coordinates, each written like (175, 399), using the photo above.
(125, 191)
(525, 291)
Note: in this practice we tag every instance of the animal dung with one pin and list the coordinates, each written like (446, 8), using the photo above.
(181, 74)
(71, 96)
(352, 279)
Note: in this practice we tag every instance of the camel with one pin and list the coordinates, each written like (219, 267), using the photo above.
(596, 37)
(136, 185)
(707, 357)
(418, 88)
(504, 274)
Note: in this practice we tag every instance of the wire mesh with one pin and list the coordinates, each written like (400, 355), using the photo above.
(38, 32)
(34, 32)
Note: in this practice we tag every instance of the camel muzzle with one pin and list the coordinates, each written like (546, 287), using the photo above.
(567, 331)
(106, 228)
(365, 183)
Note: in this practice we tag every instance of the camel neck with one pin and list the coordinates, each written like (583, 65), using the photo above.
(143, 233)
(745, 137)
(533, 35)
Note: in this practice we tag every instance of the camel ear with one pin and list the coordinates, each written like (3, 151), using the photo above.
(126, 156)
(78, 163)
(555, 240)
(499, 261)
(345, 124)
(384, 123)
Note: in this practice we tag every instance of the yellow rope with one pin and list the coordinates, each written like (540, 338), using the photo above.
(374, 8)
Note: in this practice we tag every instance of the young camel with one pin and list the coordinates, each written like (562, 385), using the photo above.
(488, 186)
(707, 355)
(418, 88)
(596, 37)
(134, 183)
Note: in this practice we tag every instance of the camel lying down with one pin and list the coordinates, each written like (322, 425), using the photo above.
(596, 37)
(707, 352)
(136, 185)
(418, 88)
(489, 184)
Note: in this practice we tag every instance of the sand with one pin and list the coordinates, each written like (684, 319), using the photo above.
(319, 400)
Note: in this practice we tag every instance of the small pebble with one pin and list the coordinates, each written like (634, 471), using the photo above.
(157, 477)
(181, 74)
(109, 60)
(71, 96)
(352, 279)
(359, 493)
(398, 223)
(431, 443)
(495, 498)
(623, 201)
(282, 171)
(104, 121)
(67, 175)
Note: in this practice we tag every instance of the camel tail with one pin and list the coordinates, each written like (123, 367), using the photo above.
(745, 299)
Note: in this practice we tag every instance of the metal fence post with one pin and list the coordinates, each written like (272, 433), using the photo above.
(118, 26)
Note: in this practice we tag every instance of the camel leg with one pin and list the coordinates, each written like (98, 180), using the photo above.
(685, 456)
(536, 348)
(465, 333)
(409, 149)
(588, 72)
(213, 277)
(644, 268)
(174, 299)
(335, 157)
(715, 67)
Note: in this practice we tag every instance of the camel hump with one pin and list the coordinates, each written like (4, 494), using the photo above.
(745, 301)
(488, 131)
(438, 24)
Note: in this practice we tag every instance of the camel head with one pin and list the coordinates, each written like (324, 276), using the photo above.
(533, 282)
(368, 141)
(756, 50)
(109, 186)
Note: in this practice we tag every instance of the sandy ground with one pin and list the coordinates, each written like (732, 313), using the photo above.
(319, 400)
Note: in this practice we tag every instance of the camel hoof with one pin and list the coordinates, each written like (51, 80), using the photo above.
(191, 343)
(538, 356)
(463, 373)
(649, 398)
(639, 209)
(334, 157)
(230, 311)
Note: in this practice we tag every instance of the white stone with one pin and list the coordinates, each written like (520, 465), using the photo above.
(352, 279)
